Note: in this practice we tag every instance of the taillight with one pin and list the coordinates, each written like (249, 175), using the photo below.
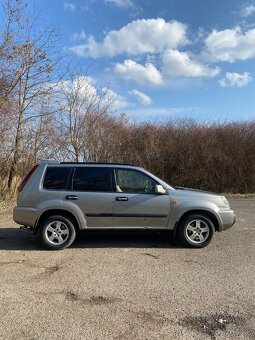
(25, 180)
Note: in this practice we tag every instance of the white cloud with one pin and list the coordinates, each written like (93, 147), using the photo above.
(235, 79)
(138, 37)
(130, 5)
(248, 10)
(88, 94)
(231, 44)
(83, 87)
(131, 70)
(118, 102)
(179, 64)
(122, 3)
(69, 6)
(142, 97)
(77, 36)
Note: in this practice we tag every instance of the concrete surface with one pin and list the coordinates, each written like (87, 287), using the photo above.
(129, 285)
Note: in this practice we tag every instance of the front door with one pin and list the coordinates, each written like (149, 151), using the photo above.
(135, 204)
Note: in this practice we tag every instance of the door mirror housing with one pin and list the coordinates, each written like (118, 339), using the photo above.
(160, 190)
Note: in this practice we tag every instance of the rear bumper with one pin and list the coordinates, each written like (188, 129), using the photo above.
(25, 216)
(228, 219)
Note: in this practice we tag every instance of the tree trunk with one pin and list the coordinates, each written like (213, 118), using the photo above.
(15, 158)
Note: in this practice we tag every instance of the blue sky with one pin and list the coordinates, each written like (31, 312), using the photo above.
(164, 58)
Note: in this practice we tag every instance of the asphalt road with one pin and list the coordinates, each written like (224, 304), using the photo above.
(129, 285)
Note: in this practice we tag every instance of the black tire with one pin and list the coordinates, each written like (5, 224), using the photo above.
(64, 230)
(199, 237)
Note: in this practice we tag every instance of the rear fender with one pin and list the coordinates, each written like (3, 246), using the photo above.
(64, 206)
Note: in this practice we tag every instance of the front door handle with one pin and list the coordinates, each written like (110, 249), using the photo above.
(121, 198)
(72, 197)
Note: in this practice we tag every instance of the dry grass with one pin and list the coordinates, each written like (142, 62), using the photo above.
(239, 196)
(7, 204)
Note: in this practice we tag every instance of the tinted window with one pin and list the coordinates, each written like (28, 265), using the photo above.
(134, 182)
(56, 178)
(92, 179)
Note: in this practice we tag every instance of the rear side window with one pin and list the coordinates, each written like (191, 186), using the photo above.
(92, 179)
(56, 178)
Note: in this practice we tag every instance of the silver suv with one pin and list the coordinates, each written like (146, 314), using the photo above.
(58, 199)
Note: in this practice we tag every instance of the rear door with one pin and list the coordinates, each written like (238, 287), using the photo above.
(91, 190)
(135, 204)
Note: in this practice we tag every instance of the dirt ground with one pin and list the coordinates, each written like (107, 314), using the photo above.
(129, 285)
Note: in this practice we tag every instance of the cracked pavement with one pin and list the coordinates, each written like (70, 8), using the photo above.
(129, 285)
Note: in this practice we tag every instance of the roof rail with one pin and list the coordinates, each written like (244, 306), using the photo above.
(100, 163)
(48, 161)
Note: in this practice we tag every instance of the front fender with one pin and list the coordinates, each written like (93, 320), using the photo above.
(179, 210)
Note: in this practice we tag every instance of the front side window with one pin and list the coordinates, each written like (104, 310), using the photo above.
(56, 178)
(132, 181)
(92, 179)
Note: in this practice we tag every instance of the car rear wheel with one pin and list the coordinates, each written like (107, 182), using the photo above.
(196, 231)
(58, 232)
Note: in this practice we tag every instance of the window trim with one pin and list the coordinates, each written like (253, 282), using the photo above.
(132, 193)
(112, 170)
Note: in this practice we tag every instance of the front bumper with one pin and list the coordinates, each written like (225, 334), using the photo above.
(228, 219)
(25, 216)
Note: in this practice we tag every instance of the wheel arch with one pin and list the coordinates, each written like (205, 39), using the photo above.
(52, 212)
(206, 213)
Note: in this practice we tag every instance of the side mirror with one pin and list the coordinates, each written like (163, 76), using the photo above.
(160, 190)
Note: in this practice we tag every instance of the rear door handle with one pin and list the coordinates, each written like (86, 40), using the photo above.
(72, 197)
(121, 198)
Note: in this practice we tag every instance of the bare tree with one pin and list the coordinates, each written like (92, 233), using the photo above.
(84, 106)
(31, 71)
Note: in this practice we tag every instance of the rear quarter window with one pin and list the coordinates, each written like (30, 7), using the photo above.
(56, 178)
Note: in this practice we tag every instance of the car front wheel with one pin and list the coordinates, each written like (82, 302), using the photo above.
(196, 231)
(58, 232)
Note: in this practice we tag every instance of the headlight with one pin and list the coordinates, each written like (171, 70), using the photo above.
(224, 201)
